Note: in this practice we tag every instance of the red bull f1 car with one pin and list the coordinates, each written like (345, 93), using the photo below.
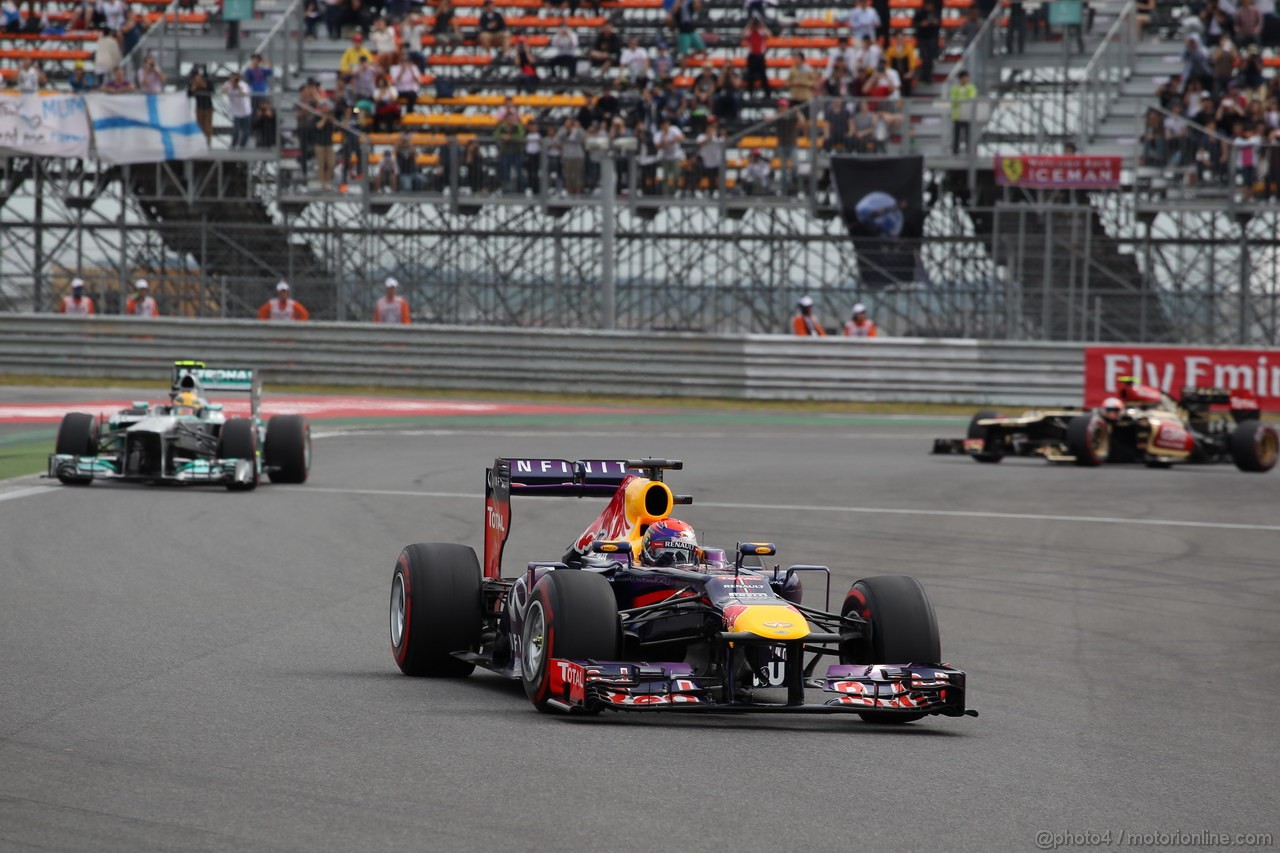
(597, 628)
(186, 440)
(1143, 424)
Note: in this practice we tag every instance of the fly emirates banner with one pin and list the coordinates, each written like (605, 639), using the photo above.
(1173, 368)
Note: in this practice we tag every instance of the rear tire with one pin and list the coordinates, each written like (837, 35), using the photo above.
(1088, 440)
(984, 433)
(904, 629)
(1255, 446)
(239, 440)
(286, 451)
(77, 436)
(572, 615)
(436, 609)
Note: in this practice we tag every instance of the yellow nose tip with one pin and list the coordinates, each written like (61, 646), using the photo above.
(772, 622)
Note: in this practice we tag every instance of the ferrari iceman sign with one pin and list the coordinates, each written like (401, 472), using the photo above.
(1064, 172)
(1173, 368)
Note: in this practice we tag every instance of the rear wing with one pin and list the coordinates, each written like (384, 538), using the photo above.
(244, 380)
(560, 478)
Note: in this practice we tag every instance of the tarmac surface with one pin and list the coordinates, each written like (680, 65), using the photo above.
(200, 670)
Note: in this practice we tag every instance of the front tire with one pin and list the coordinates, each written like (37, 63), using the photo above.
(436, 609)
(572, 615)
(239, 440)
(77, 436)
(988, 454)
(904, 629)
(1255, 446)
(1088, 440)
(286, 451)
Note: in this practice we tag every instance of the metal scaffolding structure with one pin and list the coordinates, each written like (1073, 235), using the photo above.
(213, 237)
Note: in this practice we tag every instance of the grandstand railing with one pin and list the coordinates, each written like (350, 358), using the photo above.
(1206, 168)
(798, 176)
(1110, 67)
(980, 57)
(282, 46)
(154, 40)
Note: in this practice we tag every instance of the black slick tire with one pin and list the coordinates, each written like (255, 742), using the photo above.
(1088, 440)
(904, 630)
(286, 451)
(988, 454)
(1255, 445)
(77, 436)
(239, 440)
(435, 609)
(571, 615)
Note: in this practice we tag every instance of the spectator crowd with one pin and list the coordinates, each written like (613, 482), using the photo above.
(1218, 118)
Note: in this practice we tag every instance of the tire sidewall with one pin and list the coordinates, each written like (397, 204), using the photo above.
(537, 686)
(984, 433)
(231, 435)
(77, 435)
(866, 603)
(443, 612)
(400, 653)
(1081, 434)
(1247, 445)
(288, 448)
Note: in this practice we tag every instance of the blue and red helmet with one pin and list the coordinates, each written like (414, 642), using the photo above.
(670, 542)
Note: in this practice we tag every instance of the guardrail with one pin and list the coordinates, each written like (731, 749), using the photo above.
(1107, 72)
(752, 367)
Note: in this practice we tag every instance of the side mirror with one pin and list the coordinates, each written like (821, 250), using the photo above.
(757, 549)
(611, 546)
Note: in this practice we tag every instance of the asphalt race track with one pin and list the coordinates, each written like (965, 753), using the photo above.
(199, 670)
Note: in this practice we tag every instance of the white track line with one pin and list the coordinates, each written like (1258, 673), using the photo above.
(551, 432)
(852, 510)
(27, 493)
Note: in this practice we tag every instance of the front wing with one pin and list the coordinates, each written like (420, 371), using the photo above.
(64, 466)
(906, 689)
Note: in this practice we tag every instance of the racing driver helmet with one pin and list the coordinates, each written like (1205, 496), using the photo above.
(186, 403)
(1112, 408)
(670, 542)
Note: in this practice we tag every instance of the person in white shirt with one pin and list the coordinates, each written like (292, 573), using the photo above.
(864, 20)
(150, 77)
(635, 62)
(30, 78)
(872, 53)
(382, 39)
(564, 51)
(668, 140)
(846, 54)
(391, 309)
(405, 78)
(757, 174)
(711, 147)
(114, 11)
(106, 55)
(142, 303)
(533, 158)
(240, 105)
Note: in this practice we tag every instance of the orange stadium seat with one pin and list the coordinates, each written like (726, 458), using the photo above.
(460, 59)
(46, 55)
(418, 139)
(539, 101)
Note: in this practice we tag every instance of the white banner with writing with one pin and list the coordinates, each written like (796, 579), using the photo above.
(44, 125)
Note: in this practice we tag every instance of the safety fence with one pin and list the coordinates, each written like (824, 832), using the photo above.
(757, 367)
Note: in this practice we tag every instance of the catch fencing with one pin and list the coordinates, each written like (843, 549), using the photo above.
(658, 365)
